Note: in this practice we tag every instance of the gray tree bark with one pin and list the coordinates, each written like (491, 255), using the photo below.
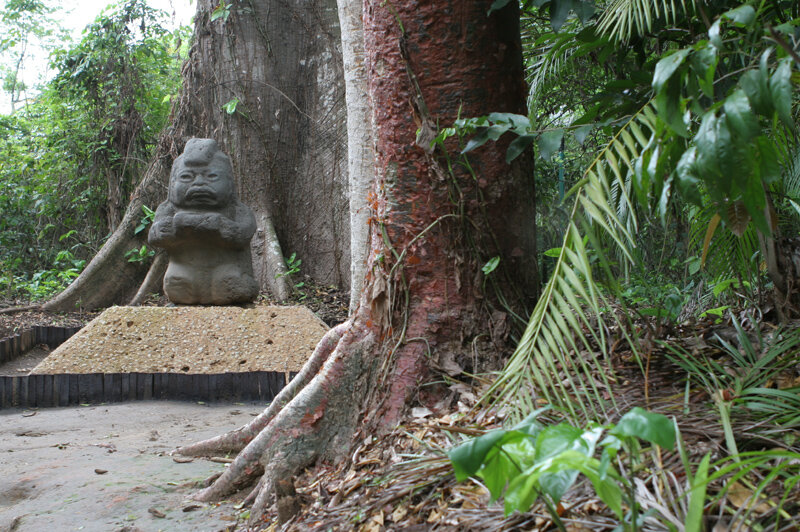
(279, 60)
(266, 82)
(360, 149)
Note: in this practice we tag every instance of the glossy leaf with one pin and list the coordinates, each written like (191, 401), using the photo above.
(740, 115)
(550, 143)
(648, 426)
(666, 67)
(780, 88)
(518, 146)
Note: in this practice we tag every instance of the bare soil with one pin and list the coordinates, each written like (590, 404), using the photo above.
(107, 468)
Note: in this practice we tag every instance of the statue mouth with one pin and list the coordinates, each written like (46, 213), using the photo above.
(201, 194)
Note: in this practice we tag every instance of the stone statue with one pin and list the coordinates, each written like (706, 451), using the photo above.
(206, 231)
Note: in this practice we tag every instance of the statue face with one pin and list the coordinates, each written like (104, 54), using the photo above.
(202, 186)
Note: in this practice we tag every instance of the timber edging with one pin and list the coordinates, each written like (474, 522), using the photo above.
(14, 346)
(91, 388)
(72, 389)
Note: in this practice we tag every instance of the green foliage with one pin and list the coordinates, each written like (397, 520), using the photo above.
(293, 264)
(141, 254)
(223, 11)
(147, 219)
(81, 146)
(741, 385)
(532, 460)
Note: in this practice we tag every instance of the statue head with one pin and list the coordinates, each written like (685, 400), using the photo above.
(201, 177)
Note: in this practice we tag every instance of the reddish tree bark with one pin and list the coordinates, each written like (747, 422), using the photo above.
(423, 305)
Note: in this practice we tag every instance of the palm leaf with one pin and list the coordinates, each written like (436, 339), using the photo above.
(623, 18)
(561, 356)
(725, 255)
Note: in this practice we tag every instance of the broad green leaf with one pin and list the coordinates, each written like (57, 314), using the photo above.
(551, 442)
(704, 62)
(468, 457)
(518, 146)
(780, 88)
(769, 160)
(490, 265)
(686, 180)
(478, 140)
(553, 252)
(584, 10)
(230, 106)
(582, 132)
(559, 11)
(667, 67)
(497, 4)
(713, 34)
(549, 143)
(648, 426)
(744, 14)
(740, 115)
(223, 11)
(669, 106)
(520, 123)
(755, 84)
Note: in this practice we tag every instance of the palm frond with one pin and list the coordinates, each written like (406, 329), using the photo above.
(564, 350)
(624, 18)
(726, 255)
(551, 57)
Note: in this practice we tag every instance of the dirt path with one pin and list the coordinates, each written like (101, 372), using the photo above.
(105, 468)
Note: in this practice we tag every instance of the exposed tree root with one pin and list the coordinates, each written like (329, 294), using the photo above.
(236, 440)
(14, 310)
(277, 275)
(152, 282)
(318, 422)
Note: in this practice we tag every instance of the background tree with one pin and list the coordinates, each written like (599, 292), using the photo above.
(23, 24)
(265, 81)
(80, 145)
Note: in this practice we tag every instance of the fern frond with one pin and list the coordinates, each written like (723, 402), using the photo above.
(622, 18)
(564, 350)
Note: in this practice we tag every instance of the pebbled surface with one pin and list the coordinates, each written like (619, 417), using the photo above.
(190, 340)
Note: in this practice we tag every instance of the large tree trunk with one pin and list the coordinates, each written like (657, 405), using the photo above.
(279, 61)
(422, 306)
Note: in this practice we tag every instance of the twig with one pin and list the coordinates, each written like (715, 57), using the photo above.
(14, 310)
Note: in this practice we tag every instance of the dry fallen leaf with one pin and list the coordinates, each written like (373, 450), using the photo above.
(157, 513)
(420, 412)
(434, 516)
(399, 513)
(740, 496)
(101, 471)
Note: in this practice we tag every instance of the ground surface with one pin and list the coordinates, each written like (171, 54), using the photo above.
(190, 340)
(104, 468)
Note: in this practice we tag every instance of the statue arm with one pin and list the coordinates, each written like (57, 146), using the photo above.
(162, 232)
(239, 230)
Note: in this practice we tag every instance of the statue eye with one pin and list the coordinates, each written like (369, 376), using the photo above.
(212, 176)
(186, 177)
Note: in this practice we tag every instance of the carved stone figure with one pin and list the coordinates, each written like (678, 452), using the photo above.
(206, 231)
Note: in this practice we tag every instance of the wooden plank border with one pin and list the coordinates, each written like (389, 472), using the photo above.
(37, 391)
